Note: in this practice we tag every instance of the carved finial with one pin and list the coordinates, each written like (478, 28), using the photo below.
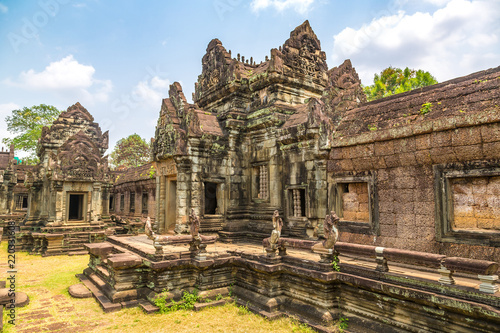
(267, 58)
(243, 59)
(238, 57)
(251, 60)
(280, 48)
(230, 53)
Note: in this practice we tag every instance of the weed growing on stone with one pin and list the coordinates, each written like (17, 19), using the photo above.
(426, 108)
(343, 323)
(243, 310)
(335, 264)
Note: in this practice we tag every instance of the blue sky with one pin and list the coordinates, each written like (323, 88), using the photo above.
(118, 58)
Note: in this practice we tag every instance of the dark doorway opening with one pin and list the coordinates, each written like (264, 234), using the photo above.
(111, 203)
(210, 198)
(75, 210)
(25, 203)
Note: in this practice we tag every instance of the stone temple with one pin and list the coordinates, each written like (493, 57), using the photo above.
(270, 149)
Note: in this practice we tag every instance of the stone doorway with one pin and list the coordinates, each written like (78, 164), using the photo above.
(171, 207)
(210, 198)
(76, 207)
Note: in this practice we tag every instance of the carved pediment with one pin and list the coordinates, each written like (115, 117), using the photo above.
(301, 54)
(80, 158)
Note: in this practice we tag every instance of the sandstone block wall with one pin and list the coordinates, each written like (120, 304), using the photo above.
(405, 184)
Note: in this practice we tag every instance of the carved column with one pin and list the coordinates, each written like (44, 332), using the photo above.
(96, 204)
(183, 194)
(105, 201)
(59, 204)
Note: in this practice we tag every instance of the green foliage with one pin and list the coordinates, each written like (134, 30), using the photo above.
(152, 172)
(343, 323)
(335, 264)
(372, 127)
(27, 124)
(394, 80)
(186, 303)
(132, 151)
(426, 108)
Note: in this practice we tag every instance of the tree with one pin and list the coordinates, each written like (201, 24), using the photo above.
(27, 123)
(131, 151)
(393, 80)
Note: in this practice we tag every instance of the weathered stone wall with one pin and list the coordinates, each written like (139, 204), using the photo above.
(422, 166)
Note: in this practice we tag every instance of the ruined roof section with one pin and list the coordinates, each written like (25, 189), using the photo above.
(76, 119)
(77, 111)
(209, 123)
(143, 172)
(217, 69)
(4, 160)
(465, 101)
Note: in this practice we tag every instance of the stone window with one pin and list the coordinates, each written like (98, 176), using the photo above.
(297, 202)
(21, 202)
(132, 202)
(260, 182)
(476, 203)
(111, 202)
(122, 202)
(145, 199)
(355, 201)
(468, 203)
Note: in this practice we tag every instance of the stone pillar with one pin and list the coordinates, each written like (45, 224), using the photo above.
(151, 203)
(105, 201)
(59, 203)
(54, 244)
(96, 203)
(160, 202)
(183, 195)
(45, 201)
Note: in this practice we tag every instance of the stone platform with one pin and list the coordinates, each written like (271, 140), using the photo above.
(376, 296)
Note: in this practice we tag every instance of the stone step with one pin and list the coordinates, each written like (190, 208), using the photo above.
(77, 253)
(104, 302)
(148, 307)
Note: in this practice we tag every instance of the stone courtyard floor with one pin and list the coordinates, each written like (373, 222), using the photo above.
(143, 244)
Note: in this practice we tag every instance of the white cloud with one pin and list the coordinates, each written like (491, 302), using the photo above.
(300, 6)
(69, 77)
(3, 8)
(458, 39)
(6, 110)
(151, 92)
